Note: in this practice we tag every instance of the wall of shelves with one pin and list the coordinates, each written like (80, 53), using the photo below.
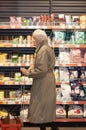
(12, 68)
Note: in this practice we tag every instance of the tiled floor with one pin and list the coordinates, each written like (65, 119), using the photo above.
(60, 128)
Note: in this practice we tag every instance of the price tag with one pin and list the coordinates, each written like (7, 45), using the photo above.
(13, 26)
(19, 45)
(63, 26)
(6, 82)
(19, 64)
(69, 27)
(44, 27)
(17, 83)
(27, 64)
(60, 45)
(79, 64)
(12, 64)
(1, 64)
(76, 102)
(22, 27)
(77, 27)
(82, 27)
(14, 45)
(77, 46)
(23, 45)
(64, 102)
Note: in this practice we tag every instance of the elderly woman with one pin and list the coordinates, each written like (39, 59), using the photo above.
(43, 92)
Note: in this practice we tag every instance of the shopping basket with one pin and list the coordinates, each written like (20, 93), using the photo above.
(11, 125)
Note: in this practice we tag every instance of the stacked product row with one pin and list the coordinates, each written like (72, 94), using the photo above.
(66, 56)
(72, 111)
(56, 37)
(52, 19)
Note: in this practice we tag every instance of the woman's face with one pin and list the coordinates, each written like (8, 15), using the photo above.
(35, 41)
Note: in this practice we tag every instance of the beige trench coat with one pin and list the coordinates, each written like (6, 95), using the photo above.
(43, 92)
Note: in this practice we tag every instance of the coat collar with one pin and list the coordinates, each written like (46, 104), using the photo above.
(40, 45)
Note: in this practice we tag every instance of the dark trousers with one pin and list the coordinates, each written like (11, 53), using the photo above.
(52, 125)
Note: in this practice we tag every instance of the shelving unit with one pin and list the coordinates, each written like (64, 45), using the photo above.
(9, 48)
(68, 66)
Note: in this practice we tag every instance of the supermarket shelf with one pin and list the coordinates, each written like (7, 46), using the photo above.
(71, 120)
(13, 83)
(16, 65)
(14, 103)
(66, 120)
(71, 46)
(17, 84)
(59, 82)
(68, 82)
(11, 46)
(73, 64)
(71, 102)
(13, 65)
(61, 26)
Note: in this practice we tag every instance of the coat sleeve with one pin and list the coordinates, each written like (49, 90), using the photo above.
(41, 67)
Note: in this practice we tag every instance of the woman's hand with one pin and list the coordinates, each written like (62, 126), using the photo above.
(24, 71)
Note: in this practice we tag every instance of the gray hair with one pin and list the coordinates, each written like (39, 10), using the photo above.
(40, 35)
